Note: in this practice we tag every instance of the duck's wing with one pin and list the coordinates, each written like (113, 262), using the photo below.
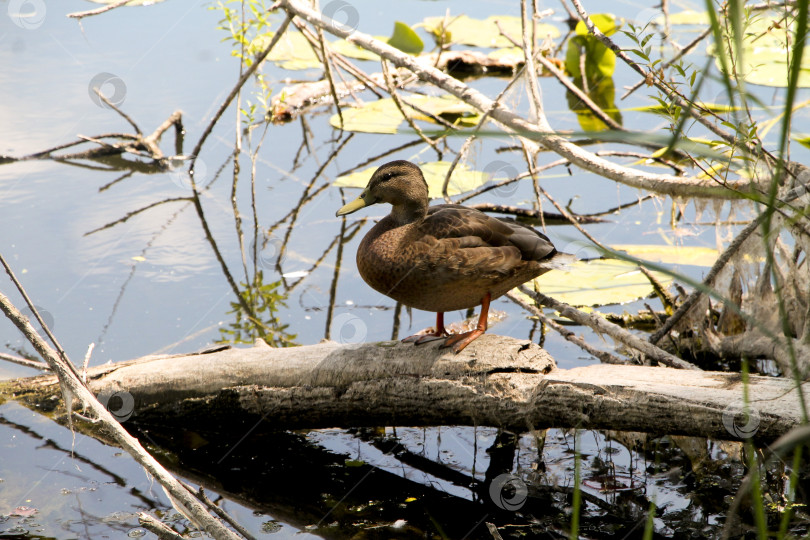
(474, 229)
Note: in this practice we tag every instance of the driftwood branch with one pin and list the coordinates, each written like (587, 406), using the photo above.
(109, 144)
(496, 381)
(68, 384)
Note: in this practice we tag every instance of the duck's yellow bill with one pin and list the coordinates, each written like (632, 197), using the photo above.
(353, 206)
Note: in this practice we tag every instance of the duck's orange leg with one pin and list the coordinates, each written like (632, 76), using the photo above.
(459, 341)
(438, 333)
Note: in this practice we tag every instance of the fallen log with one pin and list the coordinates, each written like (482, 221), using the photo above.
(498, 381)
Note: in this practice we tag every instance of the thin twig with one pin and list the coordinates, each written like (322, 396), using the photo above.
(37, 316)
(708, 281)
(691, 45)
(24, 362)
(392, 91)
(136, 212)
(602, 326)
(570, 86)
(547, 217)
(465, 147)
(114, 107)
(82, 14)
(327, 69)
(157, 527)
(604, 356)
(222, 513)
(237, 87)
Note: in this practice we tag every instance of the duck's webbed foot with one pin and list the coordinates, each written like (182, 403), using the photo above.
(459, 341)
(431, 334)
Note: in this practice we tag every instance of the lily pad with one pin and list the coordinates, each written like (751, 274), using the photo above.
(485, 32)
(292, 52)
(686, 17)
(767, 50)
(351, 50)
(666, 254)
(508, 55)
(462, 180)
(598, 282)
(383, 116)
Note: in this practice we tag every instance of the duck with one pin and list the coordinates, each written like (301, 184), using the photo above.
(444, 257)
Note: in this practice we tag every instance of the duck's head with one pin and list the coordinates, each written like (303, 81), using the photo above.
(399, 183)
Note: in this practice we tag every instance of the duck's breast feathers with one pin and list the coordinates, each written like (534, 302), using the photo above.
(474, 229)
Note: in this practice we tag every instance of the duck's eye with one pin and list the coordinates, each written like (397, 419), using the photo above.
(388, 176)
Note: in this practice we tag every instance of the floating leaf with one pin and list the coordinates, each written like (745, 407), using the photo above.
(485, 33)
(292, 51)
(383, 116)
(686, 17)
(462, 180)
(351, 50)
(767, 52)
(666, 254)
(508, 55)
(405, 39)
(599, 282)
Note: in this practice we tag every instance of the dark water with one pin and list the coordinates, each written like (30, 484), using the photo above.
(153, 284)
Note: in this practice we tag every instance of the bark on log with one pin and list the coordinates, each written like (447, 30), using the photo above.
(496, 381)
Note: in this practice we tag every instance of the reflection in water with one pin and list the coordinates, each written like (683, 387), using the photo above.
(261, 321)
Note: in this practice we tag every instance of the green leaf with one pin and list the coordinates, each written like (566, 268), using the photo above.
(599, 282)
(405, 39)
(605, 22)
(462, 180)
(484, 32)
(600, 61)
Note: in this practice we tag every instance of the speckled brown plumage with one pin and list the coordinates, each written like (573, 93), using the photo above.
(445, 257)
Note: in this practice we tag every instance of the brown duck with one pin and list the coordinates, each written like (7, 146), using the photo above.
(444, 257)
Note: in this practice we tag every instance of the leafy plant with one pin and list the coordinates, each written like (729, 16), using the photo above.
(265, 301)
